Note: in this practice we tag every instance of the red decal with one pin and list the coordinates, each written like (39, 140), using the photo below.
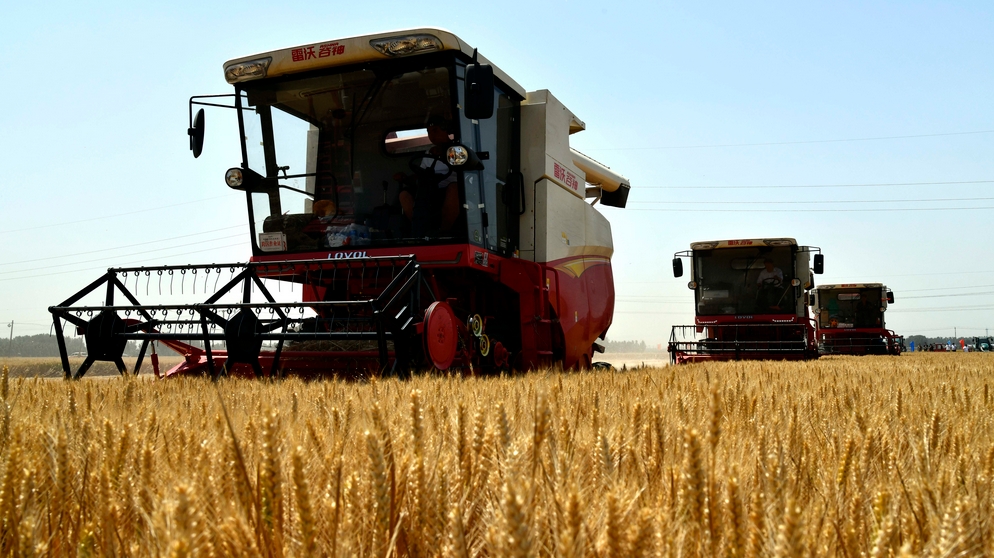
(566, 177)
(301, 54)
(740, 243)
(330, 49)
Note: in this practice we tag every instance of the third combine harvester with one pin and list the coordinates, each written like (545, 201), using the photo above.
(850, 319)
(424, 207)
(750, 301)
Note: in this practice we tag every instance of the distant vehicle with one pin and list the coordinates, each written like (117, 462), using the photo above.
(850, 319)
(901, 345)
(983, 344)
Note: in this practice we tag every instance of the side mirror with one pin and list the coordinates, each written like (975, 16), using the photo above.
(819, 264)
(479, 92)
(196, 133)
(677, 267)
(890, 297)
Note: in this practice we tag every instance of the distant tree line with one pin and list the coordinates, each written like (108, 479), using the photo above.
(45, 345)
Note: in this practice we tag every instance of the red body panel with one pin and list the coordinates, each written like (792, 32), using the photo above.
(581, 291)
(563, 306)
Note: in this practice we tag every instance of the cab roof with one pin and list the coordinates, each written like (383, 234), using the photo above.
(358, 49)
(743, 243)
(850, 286)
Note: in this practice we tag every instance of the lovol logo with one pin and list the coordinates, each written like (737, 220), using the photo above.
(347, 255)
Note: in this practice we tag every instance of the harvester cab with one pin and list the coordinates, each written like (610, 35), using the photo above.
(424, 209)
(750, 301)
(850, 319)
(983, 344)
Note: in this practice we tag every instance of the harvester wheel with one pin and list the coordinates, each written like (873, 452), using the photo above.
(501, 356)
(476, 325)
(441, 334)
(484, 345)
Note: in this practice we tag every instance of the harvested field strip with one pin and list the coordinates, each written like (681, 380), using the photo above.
(846, 456)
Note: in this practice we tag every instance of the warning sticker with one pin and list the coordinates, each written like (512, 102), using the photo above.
(272, 242)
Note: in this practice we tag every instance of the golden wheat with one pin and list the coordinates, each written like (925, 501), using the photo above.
(873, 456)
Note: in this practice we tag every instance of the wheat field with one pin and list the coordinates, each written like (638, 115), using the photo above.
(845, 456)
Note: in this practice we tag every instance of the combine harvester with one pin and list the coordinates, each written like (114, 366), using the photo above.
(850, 319)
(750, 301)
(424, 209)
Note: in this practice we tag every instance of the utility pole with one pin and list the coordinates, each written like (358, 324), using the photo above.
(10, 344)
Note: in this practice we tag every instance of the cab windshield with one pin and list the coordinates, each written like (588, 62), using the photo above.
(850, 308)
(745, 281)
(346, 147)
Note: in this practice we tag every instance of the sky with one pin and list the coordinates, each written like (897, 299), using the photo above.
(865, 129)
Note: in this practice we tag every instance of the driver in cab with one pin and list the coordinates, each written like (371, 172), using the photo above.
(770, 275)
(768, 285)
(430, 200)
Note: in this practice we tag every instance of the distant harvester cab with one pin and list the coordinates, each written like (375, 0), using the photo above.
(424, 208)
(749, 301)
(850, 319)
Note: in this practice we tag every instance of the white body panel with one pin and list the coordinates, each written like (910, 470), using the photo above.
(557, 223)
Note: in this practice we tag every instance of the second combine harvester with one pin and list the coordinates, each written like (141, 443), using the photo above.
(426, 208)
(750, 301)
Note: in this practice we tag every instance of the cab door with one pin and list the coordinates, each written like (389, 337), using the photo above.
(493, 195)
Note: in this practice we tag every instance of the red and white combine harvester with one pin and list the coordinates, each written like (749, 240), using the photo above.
(850, 319)
(750, 301)
(409, 205)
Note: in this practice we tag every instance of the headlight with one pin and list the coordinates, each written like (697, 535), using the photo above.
(245, 71)
(692, 285)
(779, 242)
(457, 155)
(408, 44)
(795, 282)
(233, 178)
(703, 245)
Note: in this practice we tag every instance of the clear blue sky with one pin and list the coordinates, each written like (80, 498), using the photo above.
(680, 97)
